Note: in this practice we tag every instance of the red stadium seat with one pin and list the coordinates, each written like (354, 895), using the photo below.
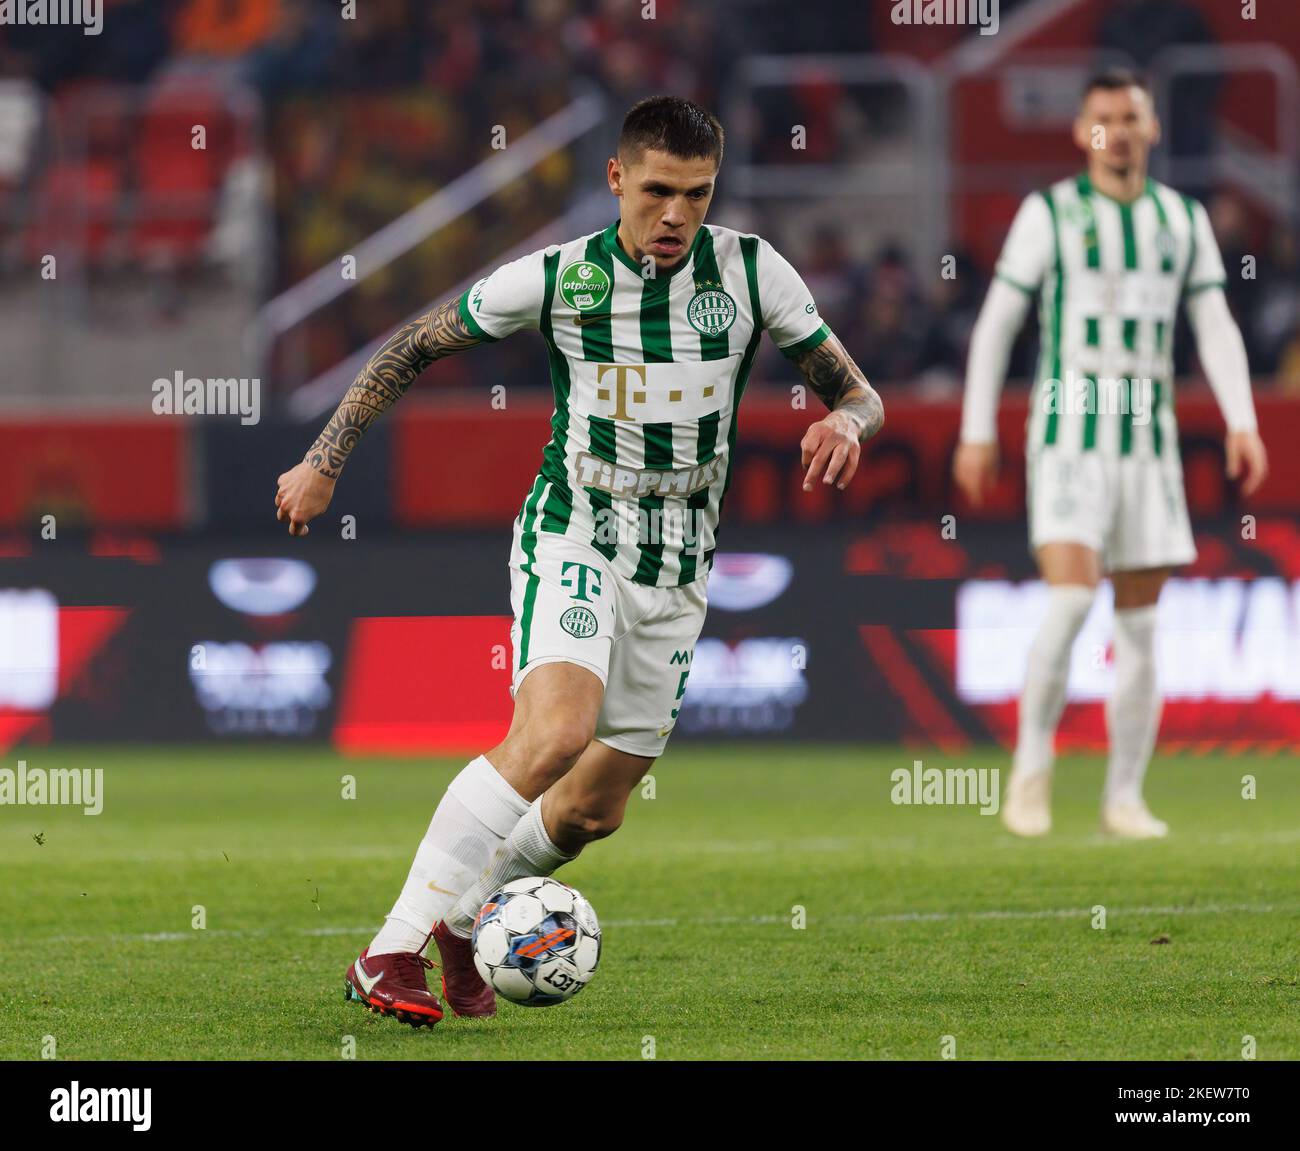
(76, 204)
(177, 185)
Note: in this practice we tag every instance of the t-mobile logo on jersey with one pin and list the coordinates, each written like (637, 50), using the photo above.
(587, 579)
(982, 14)
(630, 385)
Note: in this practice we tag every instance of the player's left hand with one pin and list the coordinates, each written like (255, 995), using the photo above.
(830, 451)
(1247, 460)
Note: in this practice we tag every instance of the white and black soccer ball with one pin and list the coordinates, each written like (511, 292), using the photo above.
(536, 942)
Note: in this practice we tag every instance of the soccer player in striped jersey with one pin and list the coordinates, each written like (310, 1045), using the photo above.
(1109, 253)
(651, 326)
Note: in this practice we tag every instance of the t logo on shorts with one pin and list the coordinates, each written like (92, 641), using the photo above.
(582, 578)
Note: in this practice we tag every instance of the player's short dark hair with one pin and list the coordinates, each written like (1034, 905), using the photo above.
(673, 125)
(1114, 80)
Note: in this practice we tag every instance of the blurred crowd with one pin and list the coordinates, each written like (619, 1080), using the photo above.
(363, 118)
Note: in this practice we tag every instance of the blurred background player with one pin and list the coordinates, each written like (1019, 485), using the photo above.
(1110, 253)
(652, 326)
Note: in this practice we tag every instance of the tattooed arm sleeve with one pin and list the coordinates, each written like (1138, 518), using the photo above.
(384, 380)
(839, 382)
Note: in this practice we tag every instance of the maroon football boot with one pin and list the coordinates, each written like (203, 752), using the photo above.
(394, 985)
(462, 986)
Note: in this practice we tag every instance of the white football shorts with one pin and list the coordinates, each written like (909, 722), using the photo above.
(571, 607)
(1130, 509)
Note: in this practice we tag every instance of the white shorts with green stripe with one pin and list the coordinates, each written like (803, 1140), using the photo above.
(571, 607)
(1130, 509)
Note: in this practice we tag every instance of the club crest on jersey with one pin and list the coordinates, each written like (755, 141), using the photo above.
(579, 622)
(1080, 214)
(584, 285)
(711, 311)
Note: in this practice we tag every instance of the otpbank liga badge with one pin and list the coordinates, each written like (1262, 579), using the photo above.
(583, 286)
(711, 310)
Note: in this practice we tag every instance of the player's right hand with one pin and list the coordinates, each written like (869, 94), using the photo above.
(301, 494)
(975, 468)
(1247, 460)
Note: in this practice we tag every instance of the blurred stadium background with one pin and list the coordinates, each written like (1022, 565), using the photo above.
(262, 189)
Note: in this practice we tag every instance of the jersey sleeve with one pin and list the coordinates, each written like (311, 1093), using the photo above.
(1206, 268)
(789, 313)
(1030, 246)
(507, 300)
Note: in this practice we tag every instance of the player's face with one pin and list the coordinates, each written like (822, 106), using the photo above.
(664, 201)
(1117, 129)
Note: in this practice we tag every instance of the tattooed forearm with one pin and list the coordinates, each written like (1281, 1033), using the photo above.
(384, 380)
(841, 386)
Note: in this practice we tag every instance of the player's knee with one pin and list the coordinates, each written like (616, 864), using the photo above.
(558, 742)
(583, 822)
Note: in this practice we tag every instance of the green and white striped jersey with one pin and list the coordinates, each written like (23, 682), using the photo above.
(1110, 276)
(647, 373)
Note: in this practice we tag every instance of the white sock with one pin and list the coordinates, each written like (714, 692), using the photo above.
(470, 824)
(1133, 710)
(1046, 674)
(528, 850)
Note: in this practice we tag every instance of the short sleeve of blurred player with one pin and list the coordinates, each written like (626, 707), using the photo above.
(1030, 246)
(507, 300)
(789, 313)
(1206, 270)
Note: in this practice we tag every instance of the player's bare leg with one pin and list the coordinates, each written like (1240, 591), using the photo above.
(590, 801)
(1133, 710)
(554, 718)
(1072, 572)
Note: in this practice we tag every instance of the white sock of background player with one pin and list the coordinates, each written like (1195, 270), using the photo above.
(1048, 669)
(528, 850)
(471, 823)
(1133, 709)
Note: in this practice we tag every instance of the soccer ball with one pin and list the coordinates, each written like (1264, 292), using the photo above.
(536, 942)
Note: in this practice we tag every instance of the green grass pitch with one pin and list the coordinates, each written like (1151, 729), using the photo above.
(921, 922)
